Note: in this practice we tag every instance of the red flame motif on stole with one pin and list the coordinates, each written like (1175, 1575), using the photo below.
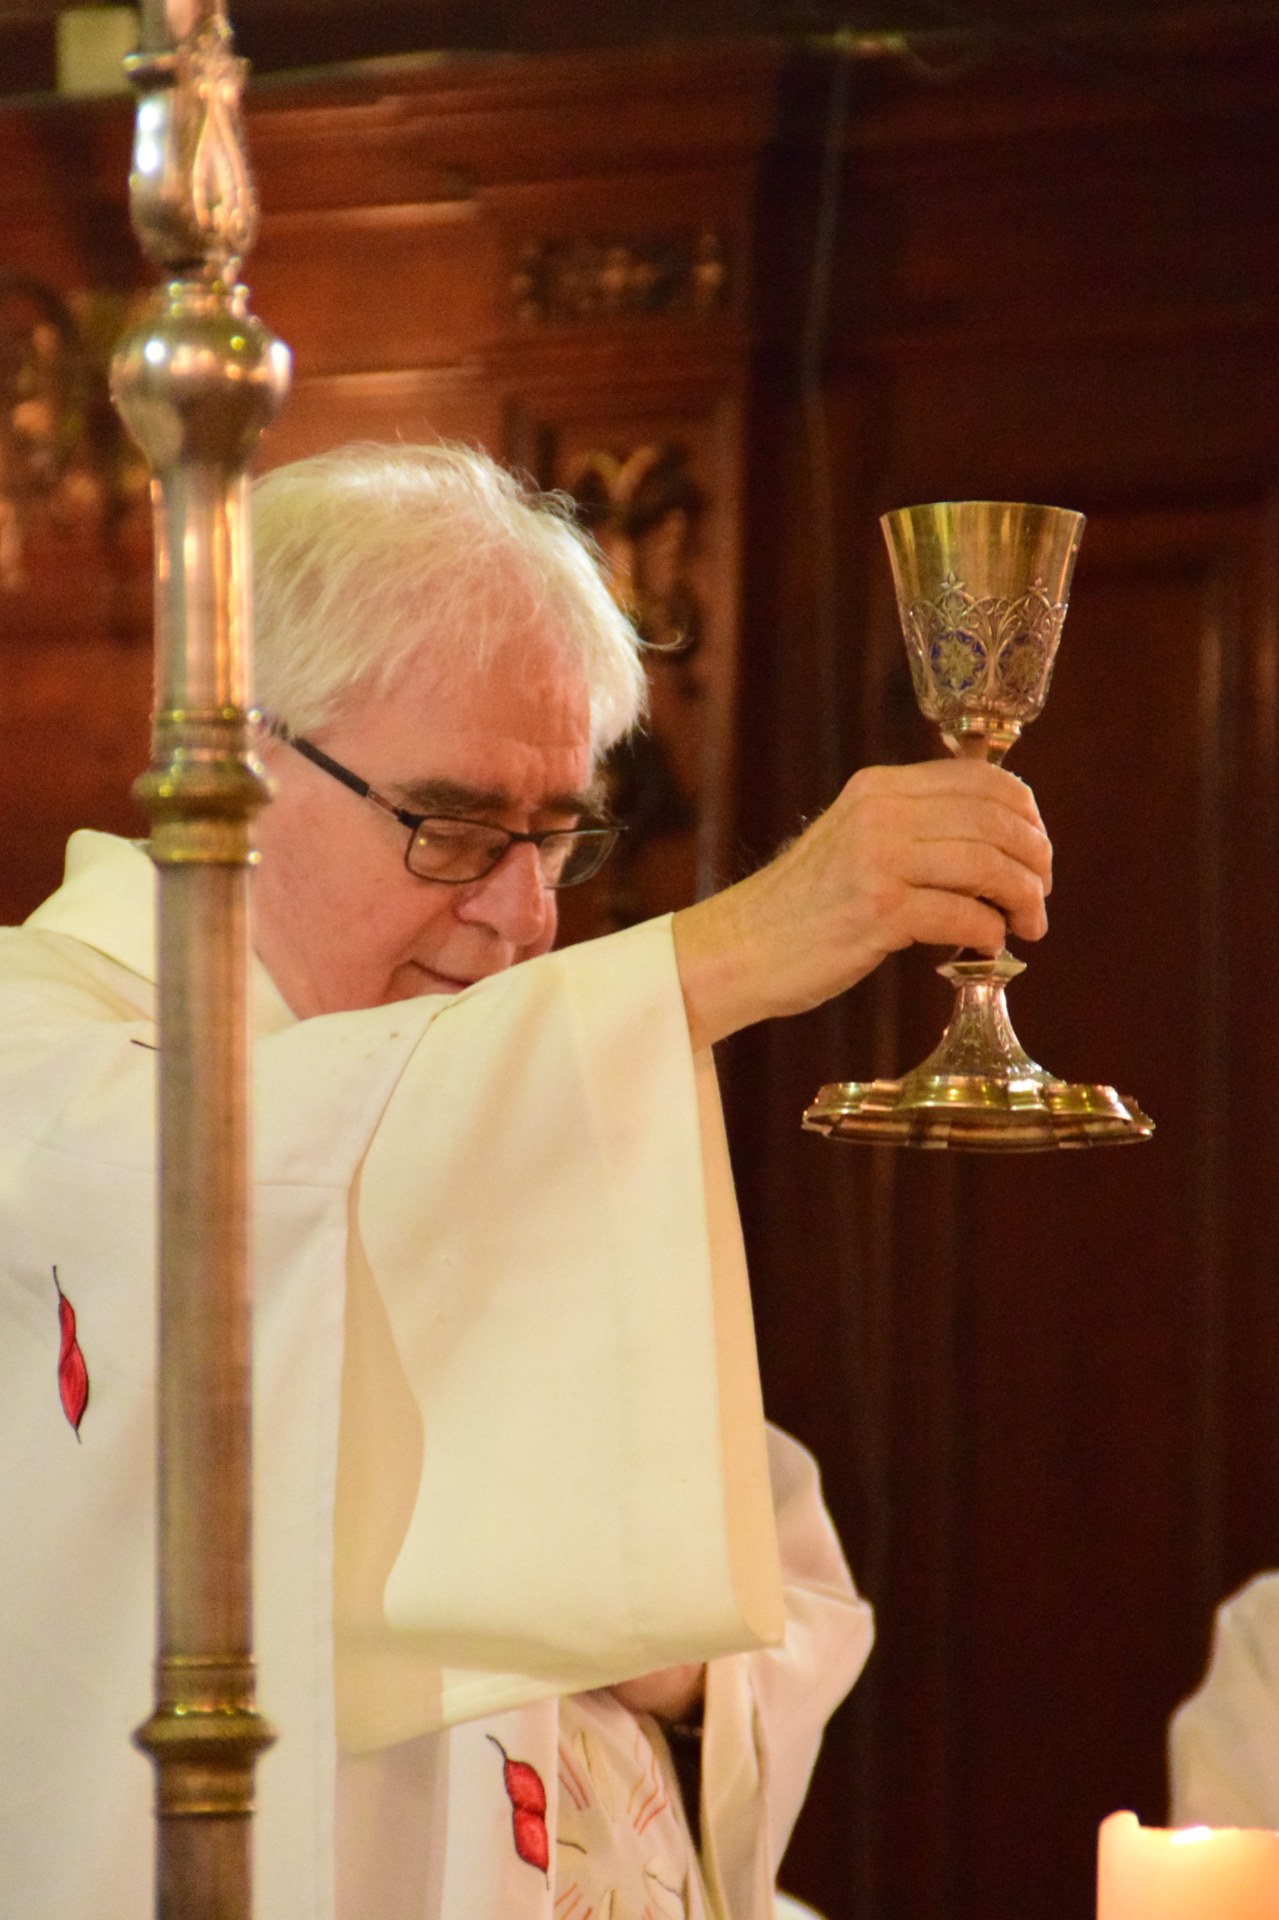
(527, 1796)
(73, 1374)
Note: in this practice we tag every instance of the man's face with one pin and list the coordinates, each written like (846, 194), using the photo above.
(339, 921)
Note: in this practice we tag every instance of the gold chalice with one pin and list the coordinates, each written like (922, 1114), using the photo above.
(982, 587)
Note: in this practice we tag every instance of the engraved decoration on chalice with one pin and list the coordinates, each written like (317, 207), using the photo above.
(982, 588)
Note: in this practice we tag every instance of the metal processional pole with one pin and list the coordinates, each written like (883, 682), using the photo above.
(196, 381)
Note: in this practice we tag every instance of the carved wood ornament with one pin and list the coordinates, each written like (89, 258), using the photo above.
(597, 278)
(642, 507)
(62, 450)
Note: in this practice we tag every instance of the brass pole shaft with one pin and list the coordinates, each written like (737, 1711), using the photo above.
(196, 381)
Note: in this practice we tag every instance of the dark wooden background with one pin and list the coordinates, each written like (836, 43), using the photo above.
(804, 287)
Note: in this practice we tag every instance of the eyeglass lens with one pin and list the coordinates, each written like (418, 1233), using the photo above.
(460, 850)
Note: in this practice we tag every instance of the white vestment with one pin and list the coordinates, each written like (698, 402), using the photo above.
(1223, 1743)
(509, 1445)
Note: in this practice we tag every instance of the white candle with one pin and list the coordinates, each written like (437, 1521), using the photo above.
(1188, 1873)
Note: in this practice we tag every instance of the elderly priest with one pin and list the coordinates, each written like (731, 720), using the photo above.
(523, 1536)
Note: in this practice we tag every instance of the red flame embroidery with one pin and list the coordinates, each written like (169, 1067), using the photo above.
(73, 1375)
(527, 1796)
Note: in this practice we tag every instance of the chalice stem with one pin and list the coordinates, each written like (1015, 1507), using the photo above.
(992, 746)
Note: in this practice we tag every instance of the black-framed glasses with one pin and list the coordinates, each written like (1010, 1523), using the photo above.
(455, 851)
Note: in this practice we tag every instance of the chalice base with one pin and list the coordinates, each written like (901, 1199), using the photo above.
(978, 1089)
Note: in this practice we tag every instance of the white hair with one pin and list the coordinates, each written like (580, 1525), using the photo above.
(366, 556)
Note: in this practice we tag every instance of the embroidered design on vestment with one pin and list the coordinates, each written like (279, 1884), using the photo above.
(73, 1374)
(527, 1796)
(615, 1815)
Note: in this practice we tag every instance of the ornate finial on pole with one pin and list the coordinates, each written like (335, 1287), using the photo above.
(193, 202)
(196, 382)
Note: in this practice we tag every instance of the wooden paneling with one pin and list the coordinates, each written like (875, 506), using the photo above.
(326, 410)
(347, 286)
(1042, 1389)
(73, 737)
(676, 791)
(1053, 1431)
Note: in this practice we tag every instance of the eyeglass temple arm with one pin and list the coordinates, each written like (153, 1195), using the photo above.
(318, 757)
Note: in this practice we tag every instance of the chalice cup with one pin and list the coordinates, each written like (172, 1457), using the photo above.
(982, 588)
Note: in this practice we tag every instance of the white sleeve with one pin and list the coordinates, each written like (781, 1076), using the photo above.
(1223, 1742)
(766, 1710)
(559, 1402)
